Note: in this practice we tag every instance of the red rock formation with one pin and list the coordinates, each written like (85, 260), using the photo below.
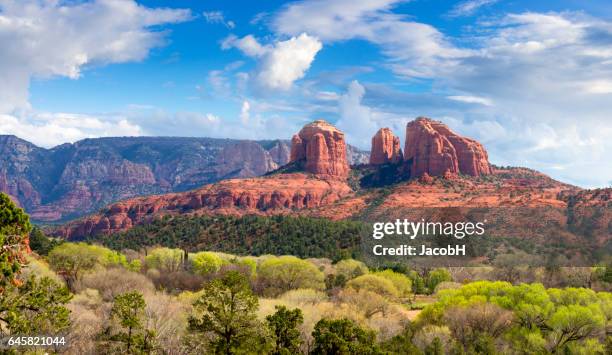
(323, 149)
(298, 150)
(431, 147)
(276, 194)
(385, 148)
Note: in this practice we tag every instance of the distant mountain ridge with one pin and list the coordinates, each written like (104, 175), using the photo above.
(71, 180)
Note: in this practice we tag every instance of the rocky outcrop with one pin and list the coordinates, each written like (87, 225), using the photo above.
(280, 153)
(246, 159)
(385, 148)
(322, 149)
(431, 147)
(276, 194)
(71, 180)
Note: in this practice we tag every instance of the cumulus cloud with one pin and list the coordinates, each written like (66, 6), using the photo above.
(356, 119)
(279, 64)
(247, 44)
(52, 38)
(415, 49)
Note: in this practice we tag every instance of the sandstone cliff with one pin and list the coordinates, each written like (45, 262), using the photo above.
(385, 148)
(278, 194)
(431, 147)
(322, 149)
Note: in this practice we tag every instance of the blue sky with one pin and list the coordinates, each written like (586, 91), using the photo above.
(532, 80)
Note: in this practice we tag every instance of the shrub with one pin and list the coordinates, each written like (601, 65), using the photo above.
(351, 268)
(278, 275)
(114, 281)
(374, 283)
(401, 282)
(435, 277)
(39, 268)
(368, 302)
(165, 259)
(205, 262)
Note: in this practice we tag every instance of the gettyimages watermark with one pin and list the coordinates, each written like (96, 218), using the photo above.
(411, 230)
(458, 236)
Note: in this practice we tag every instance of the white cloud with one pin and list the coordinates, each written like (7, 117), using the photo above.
(469, 7)
(597, 86)
(217, 17)
(334, 20)
(288, 61)
(471, 99)
(250, 123)
(51, 129)
(247, 44)
(356, 119)
(281, 63)
(245, 112)
(414, 49)
(53, 38)
(327, 96)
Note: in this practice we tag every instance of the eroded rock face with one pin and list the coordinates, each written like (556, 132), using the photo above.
(323, 149)
(245, 159)
(431, 147)
(385, 148)
(283, 193)
(71, 180)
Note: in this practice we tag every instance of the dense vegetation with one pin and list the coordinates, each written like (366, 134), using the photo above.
(248, 235)
(161, 300)
(30, 303)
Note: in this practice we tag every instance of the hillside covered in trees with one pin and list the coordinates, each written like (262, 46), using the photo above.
(248, 235)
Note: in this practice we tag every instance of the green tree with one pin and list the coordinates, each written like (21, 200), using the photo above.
(281, 274)
(435, 277)
(205, 262)
(402, 343)
(129, 310)
(284, 325)
(165, 259)
(351, 268)
(35, 307)
(72, 260)
(226, 312)
(376, 284)
(572, 323)
(14, 228)
(402, 283)
(418, 283)
(343, 337)
(40, 243)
